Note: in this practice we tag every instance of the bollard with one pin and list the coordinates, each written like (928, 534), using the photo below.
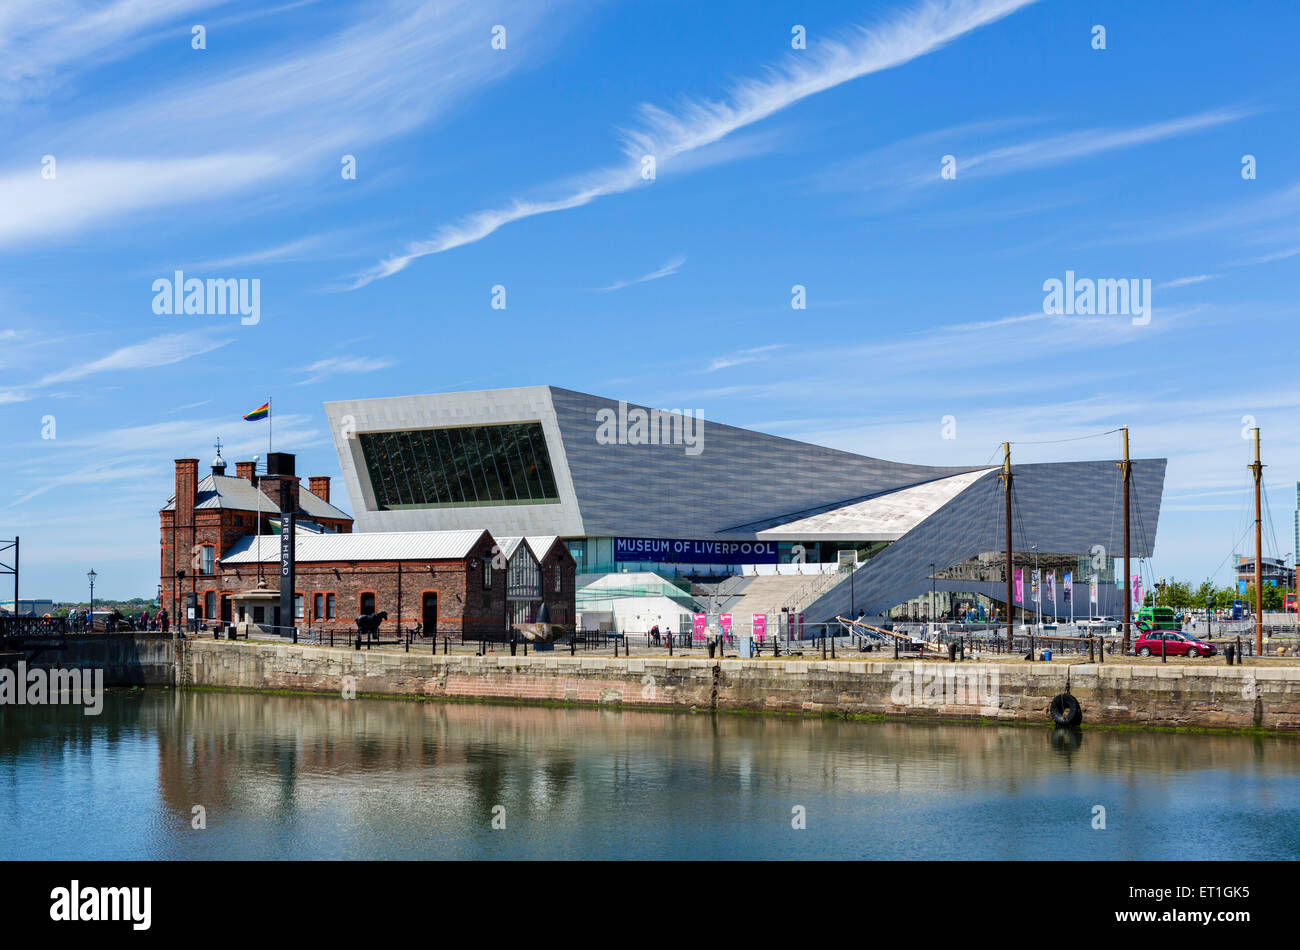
(1164, 650)
(1090, 653)
(358, 639)
(832, 647)
(1228, 652)
(408, 641)
(616, 648)
(670, 644)
(573, 644)
(512, 644)
(895, 648)
(823, 646)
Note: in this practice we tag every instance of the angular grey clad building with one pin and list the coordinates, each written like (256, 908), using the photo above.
(630, 488)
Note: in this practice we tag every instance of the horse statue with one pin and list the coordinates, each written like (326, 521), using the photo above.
(368, 624)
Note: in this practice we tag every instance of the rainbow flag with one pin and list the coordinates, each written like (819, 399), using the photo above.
(261, 412)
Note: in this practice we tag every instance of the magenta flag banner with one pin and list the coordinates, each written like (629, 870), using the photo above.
(1020, 585)
(1137, 590)
(698, 627)
(759, 626)
(726, 625)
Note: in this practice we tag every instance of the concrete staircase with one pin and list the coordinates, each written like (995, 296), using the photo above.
(768, 594)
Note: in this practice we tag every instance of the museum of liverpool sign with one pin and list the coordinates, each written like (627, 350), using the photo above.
(679, 551)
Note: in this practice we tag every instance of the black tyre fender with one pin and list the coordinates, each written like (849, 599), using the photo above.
(1065, 710)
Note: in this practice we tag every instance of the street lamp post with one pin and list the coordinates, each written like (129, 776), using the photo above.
(177, 587)
(1038, 589)
(91, 616)
(933, 616)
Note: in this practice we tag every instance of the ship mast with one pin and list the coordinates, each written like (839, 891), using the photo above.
(1126, 467)
(1006, 477)
(1257, 469)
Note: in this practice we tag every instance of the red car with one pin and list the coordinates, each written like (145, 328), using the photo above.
(1151, 642)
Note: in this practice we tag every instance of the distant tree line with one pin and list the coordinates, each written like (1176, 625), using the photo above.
(1176, 593)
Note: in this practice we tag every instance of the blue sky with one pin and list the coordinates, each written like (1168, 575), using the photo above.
(521, 167)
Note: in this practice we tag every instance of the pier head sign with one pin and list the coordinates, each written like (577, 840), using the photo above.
(682, 551)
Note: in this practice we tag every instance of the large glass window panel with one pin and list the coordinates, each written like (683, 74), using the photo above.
(460, 466)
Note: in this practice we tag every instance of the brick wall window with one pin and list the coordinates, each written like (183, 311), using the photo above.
(209, 602)
(297, 606)
(318, 607)
(366, 602)
(329, 606)
(559, 579)
(487, 575)
(207, 554)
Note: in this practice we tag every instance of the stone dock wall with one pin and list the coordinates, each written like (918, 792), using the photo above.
(1197, 694)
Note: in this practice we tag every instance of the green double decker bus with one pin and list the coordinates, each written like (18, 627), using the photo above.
(1158, 618)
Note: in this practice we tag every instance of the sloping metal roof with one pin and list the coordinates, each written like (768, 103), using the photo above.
(539, 544)
(365, 546)
(238, 494)
(886, 517)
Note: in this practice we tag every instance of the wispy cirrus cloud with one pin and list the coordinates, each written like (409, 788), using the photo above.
(396, 66)
(147, 354)
(751, 355)
(1188, 281)
(914, 163)
(671, 135)
(670, 268)
(343, 365)
(39, 38)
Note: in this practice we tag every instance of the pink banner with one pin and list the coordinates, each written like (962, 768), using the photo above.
(698, 622)
(759, 626)
(726, 625)
(1137, 590)
(1020, 585)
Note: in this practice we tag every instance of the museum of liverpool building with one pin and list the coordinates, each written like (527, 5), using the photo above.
(668, 514)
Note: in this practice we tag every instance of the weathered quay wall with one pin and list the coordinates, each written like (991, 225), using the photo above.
(1200, 694)
(1194, 695)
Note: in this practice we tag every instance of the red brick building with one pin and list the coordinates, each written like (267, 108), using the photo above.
(452, 583)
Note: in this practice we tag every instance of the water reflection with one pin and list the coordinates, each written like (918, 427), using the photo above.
(307, 777)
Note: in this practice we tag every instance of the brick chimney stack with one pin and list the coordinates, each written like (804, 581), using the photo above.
(279, 471)
(319, 485)
(245, 470)
(187, 480)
